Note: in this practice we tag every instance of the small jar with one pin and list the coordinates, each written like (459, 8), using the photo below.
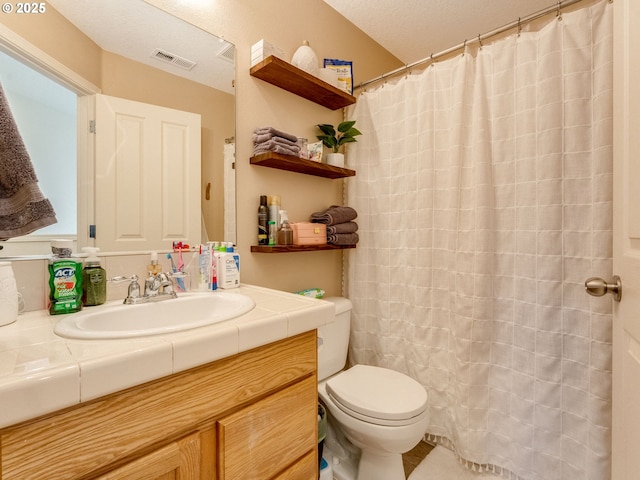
(304, 151)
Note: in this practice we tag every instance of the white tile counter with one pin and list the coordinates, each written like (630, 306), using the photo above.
(41, 372)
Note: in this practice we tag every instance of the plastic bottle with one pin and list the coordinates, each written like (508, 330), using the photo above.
(273, 233)
(65, 279)
(263, 218)
(229, 268)
(285, 232)
(94, 279)
(204, 268)
(154, 267)
(215, 254)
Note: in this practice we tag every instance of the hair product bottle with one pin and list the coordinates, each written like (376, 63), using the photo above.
(263, 218)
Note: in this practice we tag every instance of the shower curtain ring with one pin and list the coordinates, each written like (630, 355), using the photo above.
(519, 27)
(464, 47)
(558, 15)
(480, 41)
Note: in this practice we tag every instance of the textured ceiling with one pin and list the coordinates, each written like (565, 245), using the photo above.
(414, 29)
(410, 29)
(134, 29)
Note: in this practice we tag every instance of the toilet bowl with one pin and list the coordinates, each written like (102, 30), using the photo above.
(380, 411)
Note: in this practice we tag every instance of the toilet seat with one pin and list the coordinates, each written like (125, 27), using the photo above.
(378, 395)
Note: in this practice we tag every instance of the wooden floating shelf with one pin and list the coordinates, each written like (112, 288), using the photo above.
(282, 74)
(292, 163)
(296, 248)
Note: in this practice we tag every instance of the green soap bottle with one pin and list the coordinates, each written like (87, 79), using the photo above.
(94, 279)
(65, 279)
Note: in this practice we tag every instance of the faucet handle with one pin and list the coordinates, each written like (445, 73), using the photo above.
(134, 287)
(123, 278)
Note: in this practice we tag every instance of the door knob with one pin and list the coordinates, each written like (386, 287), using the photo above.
(598, 287)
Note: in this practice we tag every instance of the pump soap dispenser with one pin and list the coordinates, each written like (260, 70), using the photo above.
(94, 279)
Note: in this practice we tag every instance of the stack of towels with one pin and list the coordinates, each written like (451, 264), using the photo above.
(341, 228)
(268, 139)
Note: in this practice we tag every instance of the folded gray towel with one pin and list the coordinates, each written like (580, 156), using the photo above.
(281, 149)
(334, 214)
(347, 227)
(343, 239)
(23, 207)
(273, 131)
(266, 137)
(278, 140)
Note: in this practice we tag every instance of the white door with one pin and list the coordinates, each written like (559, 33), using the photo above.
(146, 175)
(626, 249)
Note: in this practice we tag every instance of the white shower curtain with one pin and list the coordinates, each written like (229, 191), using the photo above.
(483, 190)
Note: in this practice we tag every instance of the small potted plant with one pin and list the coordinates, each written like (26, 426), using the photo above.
(334, 138)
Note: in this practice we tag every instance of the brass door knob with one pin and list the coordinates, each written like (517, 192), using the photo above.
(598, 287)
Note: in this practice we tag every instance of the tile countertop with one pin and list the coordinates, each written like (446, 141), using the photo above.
(41, 372)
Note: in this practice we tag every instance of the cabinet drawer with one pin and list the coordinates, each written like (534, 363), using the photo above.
(263, 439)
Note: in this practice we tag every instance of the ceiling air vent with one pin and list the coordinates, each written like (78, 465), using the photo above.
(167, 57)
(228, 53)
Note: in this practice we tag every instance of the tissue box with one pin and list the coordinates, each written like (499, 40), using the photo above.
(307, 233)
(263, 49)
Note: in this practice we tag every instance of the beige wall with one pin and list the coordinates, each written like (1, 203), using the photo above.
(285, 23)
(125, 78)
(120, 77)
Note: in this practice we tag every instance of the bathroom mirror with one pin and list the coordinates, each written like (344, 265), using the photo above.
(134, 38)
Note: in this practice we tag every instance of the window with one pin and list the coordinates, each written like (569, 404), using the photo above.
(45, 113)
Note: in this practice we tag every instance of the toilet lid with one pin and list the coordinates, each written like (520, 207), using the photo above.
(378, 392)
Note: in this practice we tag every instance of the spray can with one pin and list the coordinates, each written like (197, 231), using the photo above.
(263, 218)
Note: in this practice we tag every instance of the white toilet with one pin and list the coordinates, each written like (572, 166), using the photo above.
(380, 411)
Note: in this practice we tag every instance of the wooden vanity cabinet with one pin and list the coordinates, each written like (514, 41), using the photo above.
(249, 416)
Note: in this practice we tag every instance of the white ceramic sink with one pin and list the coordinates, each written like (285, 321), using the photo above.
(189, 310)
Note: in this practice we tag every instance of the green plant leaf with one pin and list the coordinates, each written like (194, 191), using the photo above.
(346, 126)
(335, 139)
(327, 129)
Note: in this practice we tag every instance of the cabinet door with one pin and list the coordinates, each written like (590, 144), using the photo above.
(263, 439)
(179, 460)
(305, 468)
(147, 175)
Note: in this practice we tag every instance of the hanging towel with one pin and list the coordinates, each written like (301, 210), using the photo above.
(23, 207)
(347, 227)
(343, 239)
(334, 214)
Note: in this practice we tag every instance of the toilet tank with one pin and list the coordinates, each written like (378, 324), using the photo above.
(333, 339)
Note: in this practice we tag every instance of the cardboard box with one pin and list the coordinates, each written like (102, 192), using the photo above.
(307, 233)
(262, 49)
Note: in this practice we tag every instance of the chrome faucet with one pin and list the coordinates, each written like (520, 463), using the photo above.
(160, 285)
(156, 288)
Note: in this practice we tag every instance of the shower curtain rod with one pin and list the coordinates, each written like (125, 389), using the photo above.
(434, 56)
